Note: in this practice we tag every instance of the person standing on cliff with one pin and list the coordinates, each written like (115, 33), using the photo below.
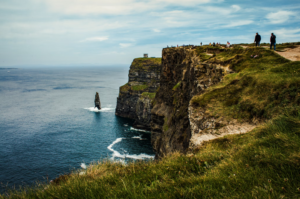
(273, 41)
(257, 39)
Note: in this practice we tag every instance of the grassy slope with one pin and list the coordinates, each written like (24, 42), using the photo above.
(264, 163)
(262, 87)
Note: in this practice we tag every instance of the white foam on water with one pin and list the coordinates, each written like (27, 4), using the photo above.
(83, 165)
(125, 124)
(139, 137)
(93, 109)
(141, 130)
(140, 156)
(116, 154)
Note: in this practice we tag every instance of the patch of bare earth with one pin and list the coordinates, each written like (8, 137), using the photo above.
(292, 54)
(237, 128)
(205, 127)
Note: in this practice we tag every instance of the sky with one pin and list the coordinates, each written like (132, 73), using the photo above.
(39, 33)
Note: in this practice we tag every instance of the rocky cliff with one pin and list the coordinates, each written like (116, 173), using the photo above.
(176, 124)
(135, 98)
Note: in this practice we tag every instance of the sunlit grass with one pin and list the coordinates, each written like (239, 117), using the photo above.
(264, 163)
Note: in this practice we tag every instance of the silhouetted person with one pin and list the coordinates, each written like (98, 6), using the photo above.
(257, 39)
(273, 41)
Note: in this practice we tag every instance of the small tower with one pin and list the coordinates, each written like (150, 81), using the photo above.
(146, 55)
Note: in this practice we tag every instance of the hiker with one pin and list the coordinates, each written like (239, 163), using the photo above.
(200, 43)
(257, 39)
(273, 41)
(214, 44)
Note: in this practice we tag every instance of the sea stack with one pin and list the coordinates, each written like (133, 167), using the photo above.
(97, 101)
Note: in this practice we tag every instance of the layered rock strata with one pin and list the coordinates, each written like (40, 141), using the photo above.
(135, 97)
(183, 75)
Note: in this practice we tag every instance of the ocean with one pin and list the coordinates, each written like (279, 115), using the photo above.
(49, 127)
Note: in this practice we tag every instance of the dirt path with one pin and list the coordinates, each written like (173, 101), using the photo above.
(291, 54)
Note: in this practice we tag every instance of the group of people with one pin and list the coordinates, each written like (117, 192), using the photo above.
(213, 44)
(257, 40)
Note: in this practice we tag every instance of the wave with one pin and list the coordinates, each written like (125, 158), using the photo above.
(83, 165)
(139, 137)
(141, 130)
(93, 109)
(116, 154)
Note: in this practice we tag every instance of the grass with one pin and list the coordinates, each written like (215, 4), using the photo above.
(125, 87)
(264, 163)
(260, 88)
(145, 63)
(139, 87)
(148, 95)
(176, 86)
(165, 126)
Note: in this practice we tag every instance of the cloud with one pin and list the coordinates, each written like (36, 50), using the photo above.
(236, 7)
(95, 39)
(238, 23)
(279, 17)
(125, 45)
(284, 33)
(116, 7)
(156, 30)
(98, 7)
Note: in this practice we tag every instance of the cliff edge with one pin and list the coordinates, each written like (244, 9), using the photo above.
(135, 97)
(209, 92)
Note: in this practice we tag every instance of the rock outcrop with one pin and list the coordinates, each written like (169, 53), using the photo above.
(97, 101)
(135, 98)
(184, 75)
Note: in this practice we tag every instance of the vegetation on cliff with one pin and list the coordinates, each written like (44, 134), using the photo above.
(261, 88)
(261, 164)
(145, 63)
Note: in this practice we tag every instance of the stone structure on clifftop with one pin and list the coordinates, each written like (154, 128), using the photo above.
(136, 97)
(97, 101)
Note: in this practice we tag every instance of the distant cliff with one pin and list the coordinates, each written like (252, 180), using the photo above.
(135, 98)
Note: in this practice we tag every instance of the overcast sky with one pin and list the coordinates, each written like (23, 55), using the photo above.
(113, 32)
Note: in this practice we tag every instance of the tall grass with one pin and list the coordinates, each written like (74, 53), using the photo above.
(264, 163)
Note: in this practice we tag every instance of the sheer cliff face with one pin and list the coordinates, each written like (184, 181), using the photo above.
(183, 76)
(135, 97)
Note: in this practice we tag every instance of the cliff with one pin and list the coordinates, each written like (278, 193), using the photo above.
(183, 76)
(209, 92)
(135, 97)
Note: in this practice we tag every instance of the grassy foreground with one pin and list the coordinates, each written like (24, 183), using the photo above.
(264, 163)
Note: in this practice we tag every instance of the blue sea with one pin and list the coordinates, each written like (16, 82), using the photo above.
(49, 127)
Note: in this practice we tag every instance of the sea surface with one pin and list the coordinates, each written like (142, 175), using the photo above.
(49, 127)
